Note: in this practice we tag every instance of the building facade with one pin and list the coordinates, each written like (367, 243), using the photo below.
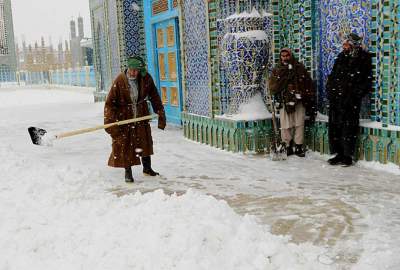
(8, 60)
(210, 58)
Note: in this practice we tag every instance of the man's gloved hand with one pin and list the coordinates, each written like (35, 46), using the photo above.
(162, 120)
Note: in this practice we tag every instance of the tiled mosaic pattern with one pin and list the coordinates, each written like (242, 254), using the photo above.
(196, 54)
(121, 33)
(255, 137)
(234, 136)
(337, 19)
(385, 44)
(297, 25)
(293, 25)
(243, 59)
(113, 37)
(222, 93)
(101, 44)
(229, 7)
(118, 33)
(373, 145)
(225, 9)
(214, 53)
(292, 28)
(132, 27)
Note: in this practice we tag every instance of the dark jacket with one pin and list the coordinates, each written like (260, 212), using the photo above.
(132, 140)
(351, 79)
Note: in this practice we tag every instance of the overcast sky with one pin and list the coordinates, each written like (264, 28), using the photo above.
(36, 18)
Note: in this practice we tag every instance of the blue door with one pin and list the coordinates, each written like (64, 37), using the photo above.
(167, 60)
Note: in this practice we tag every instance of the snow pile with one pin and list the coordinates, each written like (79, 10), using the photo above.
(255, 109)
(61, 218)
(375, 165)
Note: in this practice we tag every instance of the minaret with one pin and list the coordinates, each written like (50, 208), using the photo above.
(72, 29)
(81, 33)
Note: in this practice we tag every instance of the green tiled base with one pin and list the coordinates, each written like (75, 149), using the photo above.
(234, 136)
(255, 136)
(373, 144)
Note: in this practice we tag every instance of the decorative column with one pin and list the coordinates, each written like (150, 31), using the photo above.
(244, 56)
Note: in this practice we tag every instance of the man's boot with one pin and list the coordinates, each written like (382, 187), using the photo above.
(128, 175)
(147, 170)
(347, 161)
(299, 150)
(289, 149)
(336, 159)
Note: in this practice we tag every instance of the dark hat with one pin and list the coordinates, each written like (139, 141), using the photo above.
(354, 39)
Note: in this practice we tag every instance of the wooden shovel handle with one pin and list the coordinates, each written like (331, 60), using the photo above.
(120, 123)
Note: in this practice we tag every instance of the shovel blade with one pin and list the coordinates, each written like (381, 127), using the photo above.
(37, 135)
(278, 153)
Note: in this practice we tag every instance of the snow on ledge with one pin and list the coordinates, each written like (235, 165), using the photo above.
(378, 125)
(255, 34)
(363, 123)
(254, 110)
(322, 117)
(254, 14)
(266, 14)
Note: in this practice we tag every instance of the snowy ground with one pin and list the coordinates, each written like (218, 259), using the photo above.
(61, 207)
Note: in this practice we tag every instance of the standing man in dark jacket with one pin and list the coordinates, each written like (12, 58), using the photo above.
(349, 81)
(292, 86)
(127, 99)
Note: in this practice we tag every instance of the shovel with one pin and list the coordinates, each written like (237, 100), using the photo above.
(277, 150)
(40, 136)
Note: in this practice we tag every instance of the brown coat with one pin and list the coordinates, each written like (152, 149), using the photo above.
(131, 141)
(285, 84)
